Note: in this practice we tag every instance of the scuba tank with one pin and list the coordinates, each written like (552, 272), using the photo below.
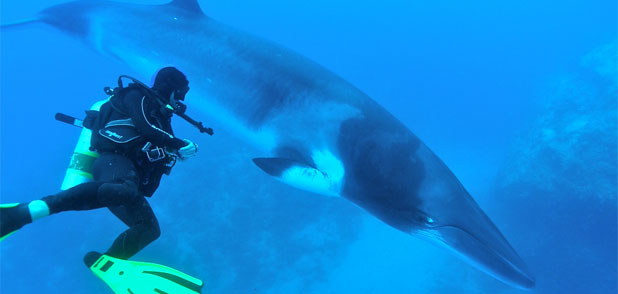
(80, 166)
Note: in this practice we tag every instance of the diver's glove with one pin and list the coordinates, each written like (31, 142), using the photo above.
(189, 150)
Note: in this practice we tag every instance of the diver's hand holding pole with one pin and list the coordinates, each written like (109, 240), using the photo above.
(188, 150)
(184, 152)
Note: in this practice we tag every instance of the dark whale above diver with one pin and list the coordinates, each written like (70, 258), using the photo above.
(316, 131)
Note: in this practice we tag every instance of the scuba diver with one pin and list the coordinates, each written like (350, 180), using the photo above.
(133, 136)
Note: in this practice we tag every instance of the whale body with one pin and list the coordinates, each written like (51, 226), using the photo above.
(316, 131)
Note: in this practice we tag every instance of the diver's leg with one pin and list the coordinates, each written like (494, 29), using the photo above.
(123, 199)
(143, 228)
(115, 184)
(120, 194)
(121, 179)
(115, 178)
(80, 197)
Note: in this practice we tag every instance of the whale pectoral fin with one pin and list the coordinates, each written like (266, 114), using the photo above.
(299, 175)
(274, 166)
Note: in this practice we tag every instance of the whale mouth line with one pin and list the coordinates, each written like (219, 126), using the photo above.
(491, 250)
(479, 241)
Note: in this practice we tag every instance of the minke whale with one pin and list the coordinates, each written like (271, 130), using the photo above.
(314, 130)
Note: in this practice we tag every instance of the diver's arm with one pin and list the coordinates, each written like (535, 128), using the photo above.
(138, 107)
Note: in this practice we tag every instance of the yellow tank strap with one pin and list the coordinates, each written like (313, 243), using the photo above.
(80, 173)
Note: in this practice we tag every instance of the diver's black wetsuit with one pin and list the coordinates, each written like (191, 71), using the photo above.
(123, 175)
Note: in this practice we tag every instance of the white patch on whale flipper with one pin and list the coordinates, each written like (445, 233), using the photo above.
(325, 178)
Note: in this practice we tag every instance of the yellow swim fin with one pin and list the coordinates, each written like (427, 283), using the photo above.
(9, 223)
(133, 277)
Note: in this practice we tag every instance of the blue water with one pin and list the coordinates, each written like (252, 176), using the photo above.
(518, 98)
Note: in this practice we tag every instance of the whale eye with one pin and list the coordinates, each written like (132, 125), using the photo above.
(424, 220)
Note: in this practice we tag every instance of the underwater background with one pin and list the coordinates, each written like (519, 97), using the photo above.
(518, 98)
